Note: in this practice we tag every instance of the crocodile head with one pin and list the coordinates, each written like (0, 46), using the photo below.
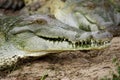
(43, 33)
(37, 35)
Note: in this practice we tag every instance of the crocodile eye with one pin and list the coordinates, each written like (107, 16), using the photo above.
(12, 4)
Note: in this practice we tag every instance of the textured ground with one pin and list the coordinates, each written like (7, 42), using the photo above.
(85, 65)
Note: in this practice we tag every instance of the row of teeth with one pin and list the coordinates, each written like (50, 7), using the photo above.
(82, 43)
(91, 43)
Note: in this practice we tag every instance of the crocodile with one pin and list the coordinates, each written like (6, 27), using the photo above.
(48, 30)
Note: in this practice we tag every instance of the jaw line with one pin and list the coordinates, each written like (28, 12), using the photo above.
(57, 46)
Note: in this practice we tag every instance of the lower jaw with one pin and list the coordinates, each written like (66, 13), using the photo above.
(94, 47)
(12, 54)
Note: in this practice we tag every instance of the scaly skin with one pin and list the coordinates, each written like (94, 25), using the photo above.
(39, 34)
(107, 16)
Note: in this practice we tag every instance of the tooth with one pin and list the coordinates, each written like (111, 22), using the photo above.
(82, 44)
(92, 43)
(86, 42)
(106, 42)
(78, 43)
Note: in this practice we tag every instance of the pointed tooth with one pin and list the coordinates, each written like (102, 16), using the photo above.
(78, 44)
(85, 42)
(82, 43)
(92, 43)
